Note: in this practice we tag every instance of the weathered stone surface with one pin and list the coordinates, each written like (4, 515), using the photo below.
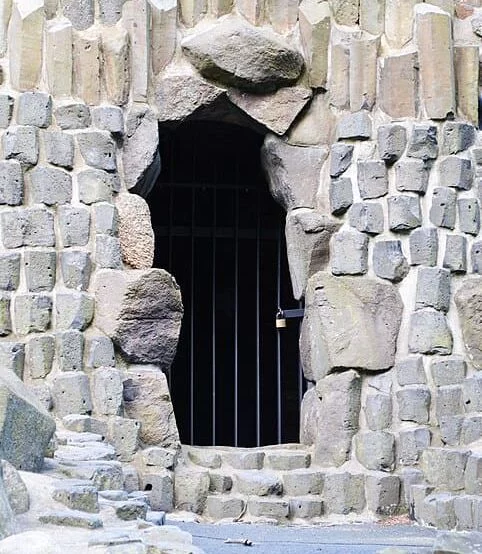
(433, 288)
(414, 404)
(25, 43)
(429, 333)
(275, 110)
(218, 507)
(449, 401)
(32, 313)
(455, 255)
(410, 371)
(315, 27)
(399, 101)
(345, 12)
(100, 352)
(27, 227)
(399, 22)
(341, 195)
(17, 493)
(98, 150)
(338, 77)
(161, 486)
(147, 399)
(363, 73)
(259, 483)
(469, 215)
(12, 357)
(191, 489)
(96, 186)
(392, 141)
(466, 77)
(163, 33)
(109, 118)
(106, 219)
(72, 116)
(25, 426)
(267, 62)
(108, 252)
(79, 495)
(293, 172)
(135, 19)
(383, 493)
(375, 312)
(456, 137)
(338, 419)
(51, 186)
(372, 178)
(367, 217)
(411, 175)
(389, 261)
(340, 158)
(349, 253)
(434, 37)
(74, 224)
(141, 160)
(75, 266)
(476, 256)
(308, 236)
(355, 126)
(74, 310)
(107, 391)
(412, 444)
(423, 142)
(376, 450)
(116, 64)
(244, 459)
(87, 56)
(456, 172)
(468, 300)
(11, 183)
(122, 433)
(287, 460)
(21, 143)
(445, 468)
(404, 213)
(423, 246)
(39, 355)
(34, 108)
(9, 271)
(310, 416)
(59, 149)
(70, 350)
(378, 411)
(58, 57)
(40, 267)
(130, 307)
(472, 393)
(71, 519)
(5, 317)
(344, 493)
(79, 12)
(71, 393)
(6, 110)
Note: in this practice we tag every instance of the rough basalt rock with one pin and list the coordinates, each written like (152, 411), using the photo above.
(468, 300)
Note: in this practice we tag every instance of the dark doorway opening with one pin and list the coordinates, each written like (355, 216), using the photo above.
(236, 380)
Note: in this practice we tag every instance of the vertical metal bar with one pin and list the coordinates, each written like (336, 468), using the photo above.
(278, 341)
(191, 323)
(300, 367)
(236, 306)
(258, 365)
(214, 321)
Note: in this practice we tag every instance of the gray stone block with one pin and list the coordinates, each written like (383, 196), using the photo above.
(98, 150)
(106, 219)
(6, 110)
(464, 507)
(442, 210)
(59, 148)
(40, 268)
(469, 215)
(449, 401)
(71, 394)
(107, 392)
(457, 136)
(70, 350)
(100, 352)
(286, 460)
(438, 511)
(39, 355)
(95, 186)
(32, 313)
(456, 172)
(341, 195)
(27, 227)
(404, 213)
(81, 496)
(423, 143)
(9, 271)
(372, 178)
(108, 118)
(191, 489)
(218, 507)
(448, 370)
(72, 116)
(165, 458)
(367, 217)
(451, 429)
(12, 357)
(383, 494)
(429, 333)
(349, 253)
(354, 126)
(131, 479)
(410, 371)
(161, 485)
(423, 246)
(375, 450)
(219, 482)
(271, 508)
(473, 474)
(433, 288)
(472, 387)
(340, 160)
(414, 404)
(411, 175)
(21, 143)
(81, 14)
(392, 141)
(301, 482)
(74, 225)
(11, 183)
(34, 108)
(244, 459)
(122, 433)
(258, 483)
(445, 468)
(411, 443)
(471, 429)
(306, 507)
(110, 11)
(455, 254)
(409, 477)
(75, 267)
(389, 261)
(5, 318)
(344, 493)
(378, 411)
(476, 256)
(74, 310)
(108, 252)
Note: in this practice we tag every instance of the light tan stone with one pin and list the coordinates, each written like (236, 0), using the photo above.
(217, 8)
(116, 64)
(447, 5)
(135, 231)
(372, 16)
(192, 11)
(282, 14)
(51, 8)
(363, 74)
(399, 22)
(87, 66)
(5, 13)
(25, 43)
(345, 12)
(339, 76)
(436, 59)
(316, 124)
(315, 28)
(163, 33)
(58, 57)
(252, 10)
(136, 22)
(467, 82)
(276, 110)
(399, 101)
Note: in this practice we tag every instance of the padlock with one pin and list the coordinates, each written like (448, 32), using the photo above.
(280, 319)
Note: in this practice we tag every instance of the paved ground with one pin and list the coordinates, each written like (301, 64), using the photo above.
(336, 539)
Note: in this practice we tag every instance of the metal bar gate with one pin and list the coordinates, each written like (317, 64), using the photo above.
(236, 380)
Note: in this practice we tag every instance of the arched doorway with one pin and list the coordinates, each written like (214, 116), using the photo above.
(235, 381)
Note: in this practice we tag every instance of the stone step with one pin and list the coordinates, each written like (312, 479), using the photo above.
(128, 509)
(76, 439)
(85, 452)
(77, 495)
(71, 518)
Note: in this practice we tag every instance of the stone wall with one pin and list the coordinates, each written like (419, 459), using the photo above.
(370, 110)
